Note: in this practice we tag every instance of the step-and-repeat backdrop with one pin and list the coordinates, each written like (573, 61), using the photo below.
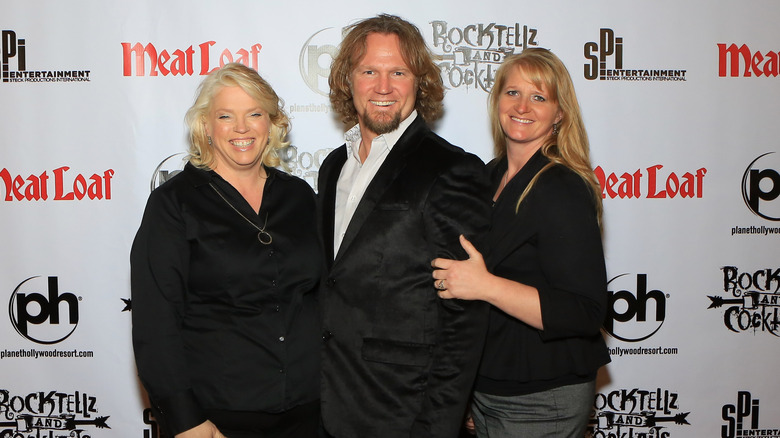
(681, 100)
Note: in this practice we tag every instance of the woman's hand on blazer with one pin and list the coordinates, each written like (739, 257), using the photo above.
(207, 429)
(470, 280)
(462, 279)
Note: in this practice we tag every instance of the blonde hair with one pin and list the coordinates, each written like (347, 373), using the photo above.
(430, 88)
(569, 147)
(201, 153)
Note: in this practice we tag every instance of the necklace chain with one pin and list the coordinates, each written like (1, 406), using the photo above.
(262, 234)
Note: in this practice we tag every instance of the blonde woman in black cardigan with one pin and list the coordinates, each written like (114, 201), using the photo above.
(543, 271)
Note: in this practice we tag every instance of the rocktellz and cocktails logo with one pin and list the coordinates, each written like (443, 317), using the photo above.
(471, 54)
(752, 302)
(66, 185)
(49, 414)
(14, 49)
(187, 61)
(636, 413)
(610, 48)
(754, 63)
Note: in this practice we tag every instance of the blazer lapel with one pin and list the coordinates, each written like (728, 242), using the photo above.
(328, 200)
(382, 182)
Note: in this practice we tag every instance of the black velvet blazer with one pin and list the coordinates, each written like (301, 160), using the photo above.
(552, 242)
(398, 361)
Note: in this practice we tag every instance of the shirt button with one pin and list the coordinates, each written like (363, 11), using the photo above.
(270, 253)
(273, 283)
(277, 308)
(281, 338)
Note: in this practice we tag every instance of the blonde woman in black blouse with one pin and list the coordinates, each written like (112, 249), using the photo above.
(224, 273)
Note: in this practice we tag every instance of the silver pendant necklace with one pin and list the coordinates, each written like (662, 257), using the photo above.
(262, 234)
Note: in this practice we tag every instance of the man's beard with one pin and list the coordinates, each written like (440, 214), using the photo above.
(380, 127)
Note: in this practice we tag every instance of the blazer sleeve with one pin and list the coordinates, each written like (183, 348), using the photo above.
(457, 204)
(159, 262)
(574, 298)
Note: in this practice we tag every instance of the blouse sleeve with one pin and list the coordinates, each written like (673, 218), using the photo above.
(574, 298)
(158, 274)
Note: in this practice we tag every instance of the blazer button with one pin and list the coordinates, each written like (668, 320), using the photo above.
(331, 282)
(326, 335)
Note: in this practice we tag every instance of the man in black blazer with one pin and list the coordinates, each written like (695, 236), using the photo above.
(397, 361)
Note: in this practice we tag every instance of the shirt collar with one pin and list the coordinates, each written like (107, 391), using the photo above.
(352, 137)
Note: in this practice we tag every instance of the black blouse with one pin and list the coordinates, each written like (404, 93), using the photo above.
(221, 320)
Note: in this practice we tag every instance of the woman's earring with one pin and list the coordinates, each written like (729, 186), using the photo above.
(555, 128)
(209, 138)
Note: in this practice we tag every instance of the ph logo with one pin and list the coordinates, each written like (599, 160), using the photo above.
(598, 53)
(761, 186)
(36, 316)
(13, 47)
(315, 59)
(167, 169)
(627, 311)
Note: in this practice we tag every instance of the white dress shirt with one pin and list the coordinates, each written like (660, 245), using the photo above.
(356, 176)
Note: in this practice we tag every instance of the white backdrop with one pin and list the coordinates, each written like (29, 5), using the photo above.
(687, 150)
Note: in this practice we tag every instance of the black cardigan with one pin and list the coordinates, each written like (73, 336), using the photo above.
(552, 242)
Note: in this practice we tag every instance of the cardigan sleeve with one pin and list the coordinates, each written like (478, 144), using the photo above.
(571, 257)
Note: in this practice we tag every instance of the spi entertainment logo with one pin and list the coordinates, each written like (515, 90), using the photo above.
(153, 428)
(752, 300)
(636, 412)
(605, 62)
(741, 419)
(629, 318)
(40, 313)
(14, 52)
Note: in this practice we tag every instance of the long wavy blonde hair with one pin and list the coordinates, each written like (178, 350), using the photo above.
(569, 147)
